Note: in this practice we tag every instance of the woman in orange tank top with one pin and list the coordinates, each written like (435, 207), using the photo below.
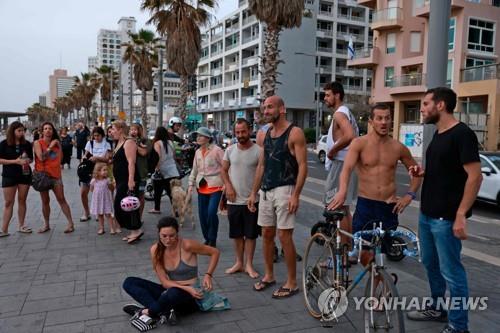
(48, 156)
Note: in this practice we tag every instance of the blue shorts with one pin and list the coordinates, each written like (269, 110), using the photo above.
(369, 211)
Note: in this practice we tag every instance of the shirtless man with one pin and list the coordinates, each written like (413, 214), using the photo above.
(280, 176)
(376, 157)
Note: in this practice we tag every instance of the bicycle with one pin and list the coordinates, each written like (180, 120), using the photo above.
(326, 283)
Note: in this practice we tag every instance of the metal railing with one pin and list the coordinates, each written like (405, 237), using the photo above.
(351, 17)
(364, 52)
(479, 73)
(326, 13)
(387, 14)
(216, 86)
(248, 20)
(249, 78)
(245, 61)
(326, 32)
(231, 83)
(356, 37)
(249, 39)
(232, 46)
(232, 64)
(406, 80)
(324, 49)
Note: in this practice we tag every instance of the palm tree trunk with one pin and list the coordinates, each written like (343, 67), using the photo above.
(144, 112)
(181, 108)
(87, 116)
(270, 61)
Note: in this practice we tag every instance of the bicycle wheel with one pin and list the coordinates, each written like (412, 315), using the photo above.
(317, 271)
(379, 313)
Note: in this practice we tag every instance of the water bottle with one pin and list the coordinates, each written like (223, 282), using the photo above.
(26, 165)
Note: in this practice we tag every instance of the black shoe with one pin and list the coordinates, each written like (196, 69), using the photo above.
(428, 315)
(132, 309)
(449, 329)
(172, 318)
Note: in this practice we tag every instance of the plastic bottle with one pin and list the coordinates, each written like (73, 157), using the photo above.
(26, 165)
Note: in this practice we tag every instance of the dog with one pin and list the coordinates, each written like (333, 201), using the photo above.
(181, 202)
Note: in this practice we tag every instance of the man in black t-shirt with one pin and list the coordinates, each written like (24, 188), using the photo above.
(81, 137)
(452, 179)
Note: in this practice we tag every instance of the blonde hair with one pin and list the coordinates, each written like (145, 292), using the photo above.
(121, 125)
(140, 132)
(97, 168)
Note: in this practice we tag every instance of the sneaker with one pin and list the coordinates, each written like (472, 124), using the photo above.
(449, 329)
(85, 218)
(132, 309)
(172, 318)
(143, 324)
(428, 315)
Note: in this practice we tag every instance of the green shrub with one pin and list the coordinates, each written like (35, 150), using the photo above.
(310, 134)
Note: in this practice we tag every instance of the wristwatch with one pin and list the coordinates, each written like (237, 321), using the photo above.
(413, 195)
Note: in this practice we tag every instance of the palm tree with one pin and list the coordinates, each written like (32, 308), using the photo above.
(179, 21)
(106, 79)
(63, 106)
(38, 114)
(277, 15)
(85, 90)
(140, 52)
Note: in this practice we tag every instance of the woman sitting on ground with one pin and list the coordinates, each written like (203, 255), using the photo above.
(175, 261)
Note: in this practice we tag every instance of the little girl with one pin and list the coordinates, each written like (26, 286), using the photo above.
(102, 197)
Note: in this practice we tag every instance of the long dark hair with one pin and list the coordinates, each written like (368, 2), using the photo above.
(54, 132)
(162, 135)
(164, 222)
(11, 133)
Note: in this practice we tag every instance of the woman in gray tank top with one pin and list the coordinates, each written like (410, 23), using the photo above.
(175, 262)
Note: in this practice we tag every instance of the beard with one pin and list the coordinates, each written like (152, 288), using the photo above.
(243, 140)
(431, 118)
(271, 118)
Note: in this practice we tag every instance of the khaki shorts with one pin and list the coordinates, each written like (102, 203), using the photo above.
(273, 208)
(333, 182)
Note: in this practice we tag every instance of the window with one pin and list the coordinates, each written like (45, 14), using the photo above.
(415, 39)
(391, 43)
(495, 3)
(473, 62)
(389, 75)
(449, 73)
(481, 35)
(451, 33)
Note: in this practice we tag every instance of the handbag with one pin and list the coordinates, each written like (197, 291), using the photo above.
(41, 180)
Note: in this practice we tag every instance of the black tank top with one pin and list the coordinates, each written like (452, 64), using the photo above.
(281, 166)
(120, 166)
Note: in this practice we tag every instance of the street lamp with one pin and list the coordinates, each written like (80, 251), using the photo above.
(317, 89)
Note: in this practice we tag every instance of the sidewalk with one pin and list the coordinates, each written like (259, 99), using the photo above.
(72, 283)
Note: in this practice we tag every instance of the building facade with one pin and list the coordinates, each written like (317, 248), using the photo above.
(59, 85)
(398, 59)
(229, 71)
(92, 65)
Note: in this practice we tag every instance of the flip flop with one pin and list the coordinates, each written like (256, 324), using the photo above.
(43, 230)
(263, 285)
(283, 292)
(69, 230)
(135, 239)
(24, 230)
(4, 234)
(152, 211)
(101, 232)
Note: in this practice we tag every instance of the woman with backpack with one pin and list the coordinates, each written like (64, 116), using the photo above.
(166, 168)
(96, 150)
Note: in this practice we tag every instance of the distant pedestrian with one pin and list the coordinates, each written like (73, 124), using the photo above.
(166, 169)
(280, 175)
(48, 157)
(452, 178)
(238, 170)
(102, 198)
(126, 179)
(67, 147)
(16, 155)
(206, 176)
(137, 133)
(82, 134)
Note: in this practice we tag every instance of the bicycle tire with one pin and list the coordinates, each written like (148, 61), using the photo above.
(396, 322)
(316, 274)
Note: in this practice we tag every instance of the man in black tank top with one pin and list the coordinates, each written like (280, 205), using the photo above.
(280, 176)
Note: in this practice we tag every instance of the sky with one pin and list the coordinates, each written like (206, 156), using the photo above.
(38, 36)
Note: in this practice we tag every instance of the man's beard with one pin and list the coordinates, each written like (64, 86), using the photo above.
(271, 118)
(432, 119)
(243, 140)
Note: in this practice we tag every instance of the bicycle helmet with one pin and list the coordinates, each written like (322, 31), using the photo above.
(130, 203)
(174, 120)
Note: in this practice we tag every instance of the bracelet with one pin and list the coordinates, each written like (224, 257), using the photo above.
(413, 195)
(207, 273)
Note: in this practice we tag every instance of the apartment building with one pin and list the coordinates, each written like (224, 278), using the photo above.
(398, 59)
(59, 85)
(229, 71)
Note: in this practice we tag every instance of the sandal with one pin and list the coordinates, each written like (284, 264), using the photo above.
(69, 229)
(43, 229)
(4, 234)
(283, 292)
(85, 218)
(154, 211)
(132, 240)
(263, 285)
(100, 232)
(24, 230)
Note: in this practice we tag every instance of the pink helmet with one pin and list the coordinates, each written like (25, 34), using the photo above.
(130, 203)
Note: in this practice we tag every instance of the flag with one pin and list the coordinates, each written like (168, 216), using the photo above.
(350, 49)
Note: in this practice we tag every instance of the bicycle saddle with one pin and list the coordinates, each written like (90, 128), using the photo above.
(333, 215)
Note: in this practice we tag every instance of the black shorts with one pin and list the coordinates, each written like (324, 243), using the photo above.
(242, 222)
(9, 182)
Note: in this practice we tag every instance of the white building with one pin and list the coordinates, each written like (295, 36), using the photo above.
(92, 64)
(229, 79)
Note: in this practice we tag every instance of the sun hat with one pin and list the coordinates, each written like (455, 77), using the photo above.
(204, 131)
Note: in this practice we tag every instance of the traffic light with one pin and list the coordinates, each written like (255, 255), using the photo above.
(192, 83)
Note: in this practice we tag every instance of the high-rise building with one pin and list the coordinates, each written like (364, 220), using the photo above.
(44, 99)
(229, 72)
(398, 58)
(59, 84)
(92, 64)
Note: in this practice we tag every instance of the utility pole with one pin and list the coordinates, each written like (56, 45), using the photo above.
(437, 55)
(120, 89)
(160, 88)
(131, 95)
(110, 105)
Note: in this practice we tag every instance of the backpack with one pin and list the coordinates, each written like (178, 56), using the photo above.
(85, 168)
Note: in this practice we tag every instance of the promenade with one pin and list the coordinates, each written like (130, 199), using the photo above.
(54, 282)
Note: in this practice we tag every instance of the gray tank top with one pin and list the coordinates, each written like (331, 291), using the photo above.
(183, 271)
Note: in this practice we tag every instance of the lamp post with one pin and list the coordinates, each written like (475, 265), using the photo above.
(317, 89)
(160, 88)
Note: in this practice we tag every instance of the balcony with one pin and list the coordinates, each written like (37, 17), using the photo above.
(216, 72)
(231, 83)
(216, 105)
(324, 49)
(346, 35)
(202, 89)
(250, 100)
(249, 20)
(351, 17)
(353, 89)
(232, 103)
(231, 66)
(216, 86)
(407, 84)
(249, 39)
(325, 13)
(250, 61)
(203, 106)
(364, 58)
(388, 18)
(232, 29)
(349, 71)
(368, 3)
(325, 69)
(232, 46)
(324, 33)
(480, 73)
(216, 52)
(249, 78)
(423, 7)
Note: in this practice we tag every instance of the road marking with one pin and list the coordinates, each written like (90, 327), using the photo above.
(466, 251)
(313, 191)
(311, 167)
(316, 181)
(485, 221)
(479, 237)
